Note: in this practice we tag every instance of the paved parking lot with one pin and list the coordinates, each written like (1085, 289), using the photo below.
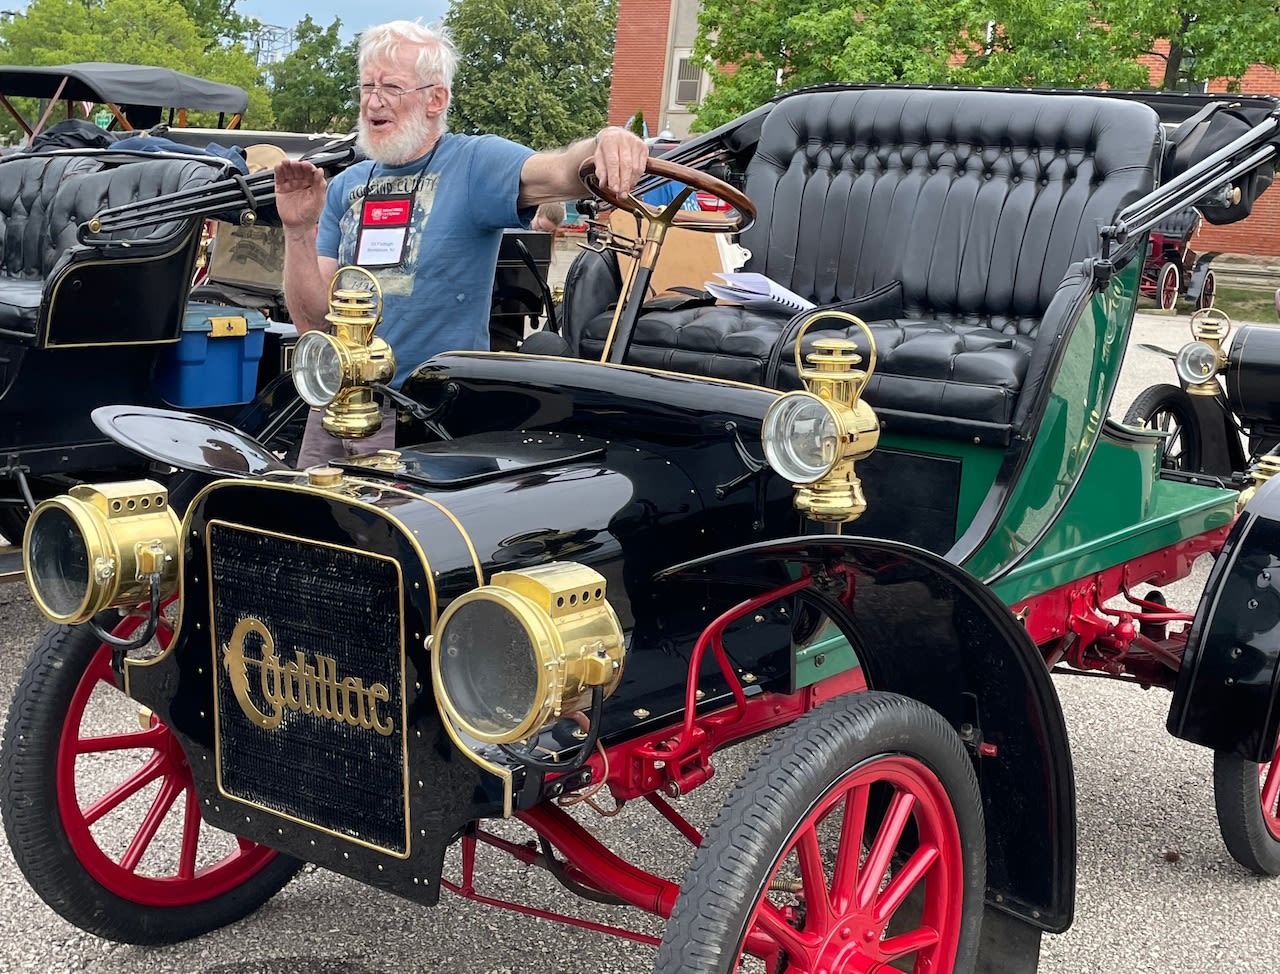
(1157, 890)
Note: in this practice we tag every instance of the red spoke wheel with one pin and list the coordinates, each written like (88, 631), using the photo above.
(1168, 284)
(1246, 796)
(100, 810)
(855, 844)
(1208, 290)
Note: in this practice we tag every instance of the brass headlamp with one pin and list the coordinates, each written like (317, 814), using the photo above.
(512, 656)
(101, 546)
(814, 438)
(1203, 358)
(336, 370)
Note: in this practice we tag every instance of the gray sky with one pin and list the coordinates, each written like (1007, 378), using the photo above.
(355, 17)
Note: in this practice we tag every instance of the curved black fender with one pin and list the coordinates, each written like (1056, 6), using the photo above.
(1228, 692)
(923, 627)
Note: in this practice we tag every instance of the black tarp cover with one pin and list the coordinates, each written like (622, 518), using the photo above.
(123, 84)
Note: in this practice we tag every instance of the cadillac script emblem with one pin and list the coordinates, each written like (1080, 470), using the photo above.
(266, 686)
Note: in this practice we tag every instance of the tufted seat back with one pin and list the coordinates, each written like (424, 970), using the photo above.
(954, 216)
(28, 185)
(77, 201)
(45, 198)
(977, 201)
(1178, 225)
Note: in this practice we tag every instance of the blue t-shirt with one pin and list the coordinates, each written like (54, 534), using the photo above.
(439, 297)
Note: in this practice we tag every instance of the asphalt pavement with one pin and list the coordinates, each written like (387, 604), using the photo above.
(1156, 889)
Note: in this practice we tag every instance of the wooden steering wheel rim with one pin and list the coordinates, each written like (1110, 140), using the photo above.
(744, 211)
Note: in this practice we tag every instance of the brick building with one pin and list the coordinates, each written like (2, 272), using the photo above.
(653, 73)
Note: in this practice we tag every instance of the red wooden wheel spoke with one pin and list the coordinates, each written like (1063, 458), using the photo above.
(153, 737)
(190, 836)
(148, 773)
(886, 841)
(908, 943)
(900, 887)
(817, 903)
(151, 823)
(851, 831)
(788, 937)
(1271, 793)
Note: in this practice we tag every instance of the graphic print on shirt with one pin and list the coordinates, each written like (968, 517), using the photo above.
(397, 279)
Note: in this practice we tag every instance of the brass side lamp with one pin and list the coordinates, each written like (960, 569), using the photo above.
(338, 370)
(815, 437)
(1202, 359)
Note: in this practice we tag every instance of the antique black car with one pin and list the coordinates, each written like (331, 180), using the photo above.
(871, 529)
(97, 303)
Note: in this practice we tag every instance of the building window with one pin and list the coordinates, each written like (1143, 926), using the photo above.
(686, 85)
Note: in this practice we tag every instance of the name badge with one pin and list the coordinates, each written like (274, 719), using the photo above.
(384, 229)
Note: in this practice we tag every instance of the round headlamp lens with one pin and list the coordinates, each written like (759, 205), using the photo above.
(317, 368)
(1196, 363)
(57, 562)
(801, 438)
(488, 669)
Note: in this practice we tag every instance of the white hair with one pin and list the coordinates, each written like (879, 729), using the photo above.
(437, 59)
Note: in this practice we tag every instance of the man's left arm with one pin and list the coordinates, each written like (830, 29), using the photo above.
(548, 177)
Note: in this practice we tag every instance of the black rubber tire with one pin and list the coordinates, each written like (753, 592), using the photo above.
(1208, 290)
(1168, 286)
(1237, 798)
(807, 760)
(1167, 407)
(36, 832)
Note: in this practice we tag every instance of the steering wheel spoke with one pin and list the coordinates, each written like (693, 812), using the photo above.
(659, 219)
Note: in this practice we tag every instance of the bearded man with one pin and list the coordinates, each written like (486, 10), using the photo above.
(424, 212)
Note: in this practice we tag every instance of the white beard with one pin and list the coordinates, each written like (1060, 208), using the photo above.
(403, 146)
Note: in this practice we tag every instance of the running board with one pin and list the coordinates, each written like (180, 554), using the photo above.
(10, 563)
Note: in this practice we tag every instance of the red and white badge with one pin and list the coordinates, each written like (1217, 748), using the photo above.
(384, 228)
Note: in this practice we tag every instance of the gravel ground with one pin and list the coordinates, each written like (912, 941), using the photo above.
(1157, 890)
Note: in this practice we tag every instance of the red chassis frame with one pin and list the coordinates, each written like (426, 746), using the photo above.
(1072, 625)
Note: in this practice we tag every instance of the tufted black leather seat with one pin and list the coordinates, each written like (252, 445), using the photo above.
(45, 198)
(955, 215)
(1178, 225)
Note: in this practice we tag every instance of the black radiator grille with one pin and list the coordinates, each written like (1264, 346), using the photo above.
(332, 751)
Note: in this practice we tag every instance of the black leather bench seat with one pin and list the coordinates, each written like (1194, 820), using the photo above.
(45, 198)
(955, 215)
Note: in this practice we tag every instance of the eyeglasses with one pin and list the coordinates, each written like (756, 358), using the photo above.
(387, 93)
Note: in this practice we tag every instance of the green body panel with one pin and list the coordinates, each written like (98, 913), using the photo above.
(978, 468)
(1078, 401)
(1102, 526)
(1088, 497)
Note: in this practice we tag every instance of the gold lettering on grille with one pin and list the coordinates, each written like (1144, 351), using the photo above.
(298, 685)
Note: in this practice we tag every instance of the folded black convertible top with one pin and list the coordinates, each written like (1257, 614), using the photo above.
(122, 84)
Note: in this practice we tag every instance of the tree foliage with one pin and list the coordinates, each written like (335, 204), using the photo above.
(758, 48)
(535, 71)
(311, 88)
(152, 32)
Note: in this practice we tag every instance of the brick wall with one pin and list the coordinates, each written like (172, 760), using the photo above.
(639, 61)
(639, 69)
(1259, 234)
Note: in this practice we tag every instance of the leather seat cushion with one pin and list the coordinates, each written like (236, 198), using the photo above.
(20, 305)
(968, 371)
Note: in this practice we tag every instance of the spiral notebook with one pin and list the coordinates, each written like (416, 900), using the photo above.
(757, 292)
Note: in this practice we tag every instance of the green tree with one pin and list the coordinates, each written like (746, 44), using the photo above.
(758, 48)
(311, 88)
(1207, 38)
(218, 19)
(153, 32)
(535, 71)
(755, 49)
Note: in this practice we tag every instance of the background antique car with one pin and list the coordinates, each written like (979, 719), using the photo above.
(592, 564)
(109, 316)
